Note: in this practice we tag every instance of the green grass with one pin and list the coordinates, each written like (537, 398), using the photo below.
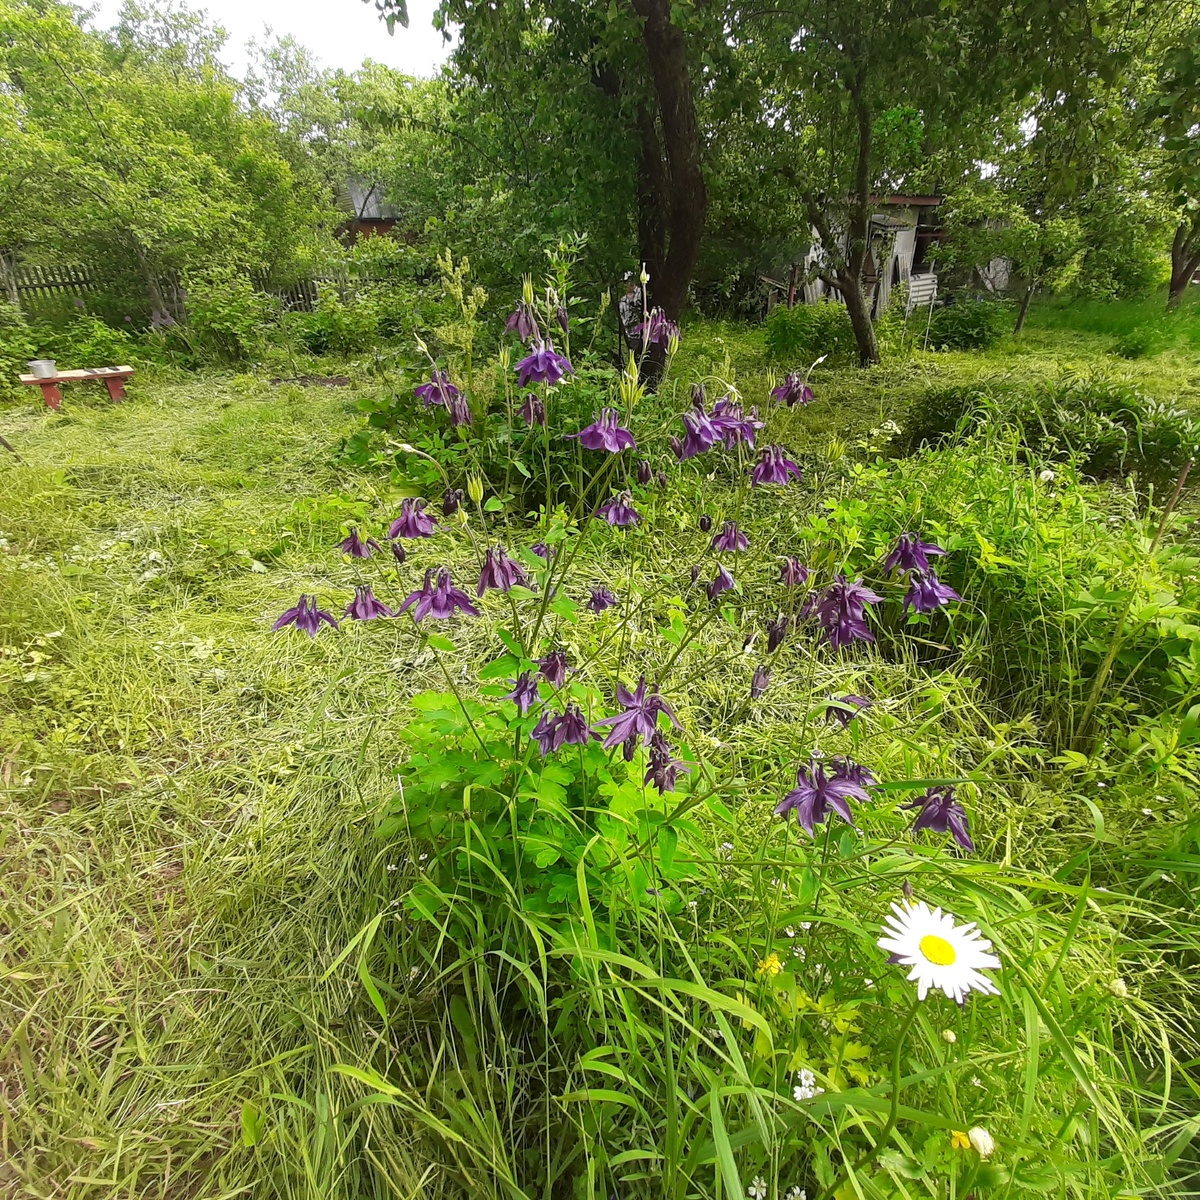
(190, 803)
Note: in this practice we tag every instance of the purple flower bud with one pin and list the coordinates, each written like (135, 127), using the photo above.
(644, 472)
(533, 411)
(307, 616)
(564, 320)
(760, 682)
(629, 747)
(523, 323)
(566, 729)
(676, 447)
(542, 551)
(705, 523)
(699, 395)
(451, 501)
(399, 553)
(777, 632)
(695, 572)
(661, 479)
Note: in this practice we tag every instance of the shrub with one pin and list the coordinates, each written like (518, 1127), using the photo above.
(18, 344)
(226, 317)
(800, 335)
(937, 413)
(967, 324)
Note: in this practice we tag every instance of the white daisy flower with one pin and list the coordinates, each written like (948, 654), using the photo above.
(757, 1189)
(797, 1193)
(941, 954)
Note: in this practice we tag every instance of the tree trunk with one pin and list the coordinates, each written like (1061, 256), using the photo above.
(1023, 312)
(8, 271)
(653, 195)
(1185, 260)
(860, 319)
(686, 200)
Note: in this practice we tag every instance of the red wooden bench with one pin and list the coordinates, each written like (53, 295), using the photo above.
(113, 378)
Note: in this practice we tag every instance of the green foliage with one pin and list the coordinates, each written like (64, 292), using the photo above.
(803, 333)
(967, 324)
(226, 316)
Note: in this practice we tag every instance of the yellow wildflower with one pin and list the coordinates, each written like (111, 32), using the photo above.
(959, 1140)
(769, 966)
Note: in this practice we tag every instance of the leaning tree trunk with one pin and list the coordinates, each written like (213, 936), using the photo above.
(686, 200)
(1185, 261)
(1023, 311)
(860, 319)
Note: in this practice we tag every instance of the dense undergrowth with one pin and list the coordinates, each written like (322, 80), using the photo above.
(545, 978)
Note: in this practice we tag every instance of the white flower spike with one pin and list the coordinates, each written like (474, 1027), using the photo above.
(941, 954)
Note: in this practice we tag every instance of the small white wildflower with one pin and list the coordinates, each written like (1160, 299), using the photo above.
(1046, 475)
(797, 1193)
(807, 1088)
(757, 1189)
(1119, 988)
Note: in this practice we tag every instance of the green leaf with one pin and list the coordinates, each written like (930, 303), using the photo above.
(728, 1168)
(444, 644)
(253, 1122)
(494, 504)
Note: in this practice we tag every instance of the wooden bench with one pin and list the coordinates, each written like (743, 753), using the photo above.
(113, 378)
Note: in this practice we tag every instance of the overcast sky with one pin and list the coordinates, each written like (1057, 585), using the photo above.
(341, 33)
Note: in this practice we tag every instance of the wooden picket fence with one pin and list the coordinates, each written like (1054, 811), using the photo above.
(31, 283)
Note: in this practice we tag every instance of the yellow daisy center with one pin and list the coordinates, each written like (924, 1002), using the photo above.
(938, 950)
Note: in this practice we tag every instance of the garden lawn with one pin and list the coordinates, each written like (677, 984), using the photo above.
(190, 801)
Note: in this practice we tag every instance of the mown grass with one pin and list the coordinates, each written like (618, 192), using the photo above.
(190, 803)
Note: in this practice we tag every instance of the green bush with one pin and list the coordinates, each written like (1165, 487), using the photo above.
(226, 317)
(936, 414)
(800, 335)
(967, 324)
(18, 345)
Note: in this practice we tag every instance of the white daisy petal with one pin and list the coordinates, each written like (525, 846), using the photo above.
(940, 953)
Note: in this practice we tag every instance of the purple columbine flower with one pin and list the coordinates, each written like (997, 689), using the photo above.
(793, 390)
(438, 597)
(845, 709)
(357, 548)
(459, 410)
(705, 523)
(661, 479)
(523, 322)
(600, 599)
(413, 521)
(532, 410)
(439, 392)
(730, 538)
(542, 551)
(640, 718)
(699, 395)
(542, 365)
(525, 692)
(399, 553)
(645, 472)
(499, 572)
(759, 683)
(777, 632)
(452, 500)
(927, 593)
(818, 792)
(911, 554)
(792, 572)
(554, 667)
(732, 425)
(774, 467)
(663, 767)
(564, 319)
(840, 609)
(619, 510)
(605, 434)
(856, 773)
(699, 435)
(721, 582)
(568, 728)
(657, 329)
(365, 606)
(942, 813)
(307, 616)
